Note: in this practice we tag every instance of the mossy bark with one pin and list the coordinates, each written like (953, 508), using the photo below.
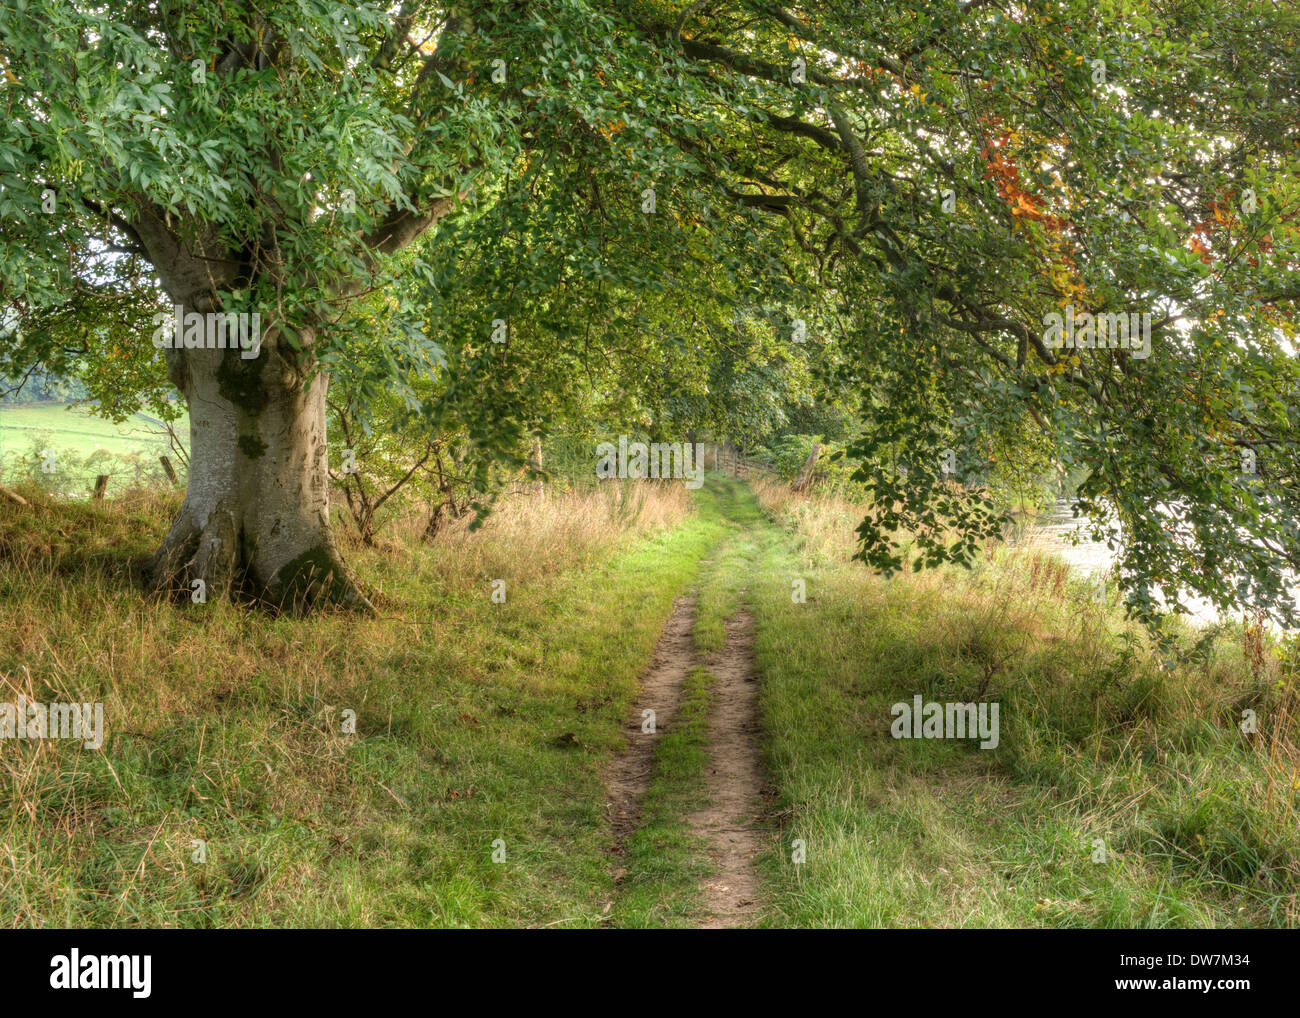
(255, 521)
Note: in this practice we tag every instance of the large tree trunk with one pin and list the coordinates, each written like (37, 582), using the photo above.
(256, 513)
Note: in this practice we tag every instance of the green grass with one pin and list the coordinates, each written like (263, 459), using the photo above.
(482, 725)
(84, 447)
(475, 722)
(1099, 743)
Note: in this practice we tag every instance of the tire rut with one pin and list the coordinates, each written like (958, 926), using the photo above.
(661, 692)
(735, 782)
(730, 822)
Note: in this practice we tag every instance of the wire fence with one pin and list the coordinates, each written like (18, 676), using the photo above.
(95, 482)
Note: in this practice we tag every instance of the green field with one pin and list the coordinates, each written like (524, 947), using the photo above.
(84, 445)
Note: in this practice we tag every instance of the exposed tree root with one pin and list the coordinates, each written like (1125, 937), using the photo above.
(216, 554)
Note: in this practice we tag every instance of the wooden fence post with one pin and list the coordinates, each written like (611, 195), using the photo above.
(805, 475)
(539, 486)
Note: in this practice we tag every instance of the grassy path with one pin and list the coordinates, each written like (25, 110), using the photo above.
(474, 789)
(1121, 793)
(230, 791)
(692, 862)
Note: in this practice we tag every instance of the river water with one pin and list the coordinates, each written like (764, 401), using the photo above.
(1058, 530)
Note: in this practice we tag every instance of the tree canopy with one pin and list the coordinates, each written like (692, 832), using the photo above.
(702, 214)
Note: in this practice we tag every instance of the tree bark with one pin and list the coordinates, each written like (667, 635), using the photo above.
(256, 513)
(806, 472)
(255, 519)
(539, 486)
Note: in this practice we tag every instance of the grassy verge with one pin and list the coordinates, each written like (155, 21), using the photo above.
(482, 729)
(1123, 792)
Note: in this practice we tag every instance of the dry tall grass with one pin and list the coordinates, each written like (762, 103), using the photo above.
(224, 722)
(532, 535)
(823, 525)
(1148, 746)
